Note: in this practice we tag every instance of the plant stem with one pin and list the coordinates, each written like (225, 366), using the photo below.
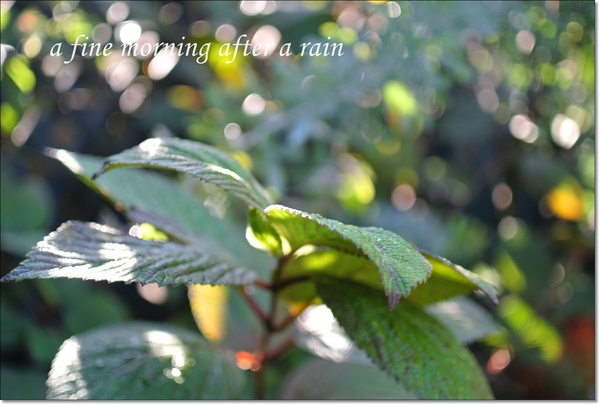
(269, 322)
(254, 305)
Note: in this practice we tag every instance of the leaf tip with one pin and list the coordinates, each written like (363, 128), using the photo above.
(393, 300)
(100, 171)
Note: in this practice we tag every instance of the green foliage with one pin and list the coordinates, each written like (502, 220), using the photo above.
(85, 364)
(97, 252)
(400, 266)
(201, 161)
(142, 361)
(468, 128)
(406, 343)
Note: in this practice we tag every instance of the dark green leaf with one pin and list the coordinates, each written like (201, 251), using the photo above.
(320, 379)
(94, 252)
(401, 267)
(20, 384)
(154, 193)
(202, 161)
(142, 361)
(406, 343)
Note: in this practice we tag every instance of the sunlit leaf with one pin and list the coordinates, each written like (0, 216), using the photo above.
(142, 361)
(319, 332)
(401, 267)
(146, 192)
(261, 234)
(94, 252)
(326, 380)
(449, 280)
(532, 329)
(409, 345)
(199, 160)
(209, 308)
(17, 68)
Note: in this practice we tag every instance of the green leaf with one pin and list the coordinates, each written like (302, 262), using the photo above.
(317, 331)
(141, 190)
(261, 234)
(324, 380)
(202, 161)
(142, 360)
(327, 262)
(449, 280)
(21, 384)
(95, 252)
(401, 267)
(407, 343)
(466, 319)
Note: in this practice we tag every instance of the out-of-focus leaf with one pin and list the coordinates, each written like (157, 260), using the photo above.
(202, 161)
(531, 328)
(19, 243)
(409, 345)
(449, 280)
(42, 343)
(467, 320)
(142, 361)
(319, 332)
(20, 384)
(401, 267)
(95, 252)
(326, 380)
(98, 308)
(209, 308)
(24, 203)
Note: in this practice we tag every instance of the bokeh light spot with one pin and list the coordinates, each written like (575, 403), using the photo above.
(253, 105)
(565, 131)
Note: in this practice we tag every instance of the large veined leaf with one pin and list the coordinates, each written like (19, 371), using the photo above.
(95, 252)
(201, 161)
(138, 189)
(400, 266)
(407, 343)
(323, 380)
(142, 360)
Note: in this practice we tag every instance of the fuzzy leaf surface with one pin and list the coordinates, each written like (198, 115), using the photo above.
(401, 267)
(202, 161)
(449, 280)
(133, 190)
(406, 343)
(91, 251)
(142, 360)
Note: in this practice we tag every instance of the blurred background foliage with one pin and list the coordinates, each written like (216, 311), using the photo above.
(466, 127)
